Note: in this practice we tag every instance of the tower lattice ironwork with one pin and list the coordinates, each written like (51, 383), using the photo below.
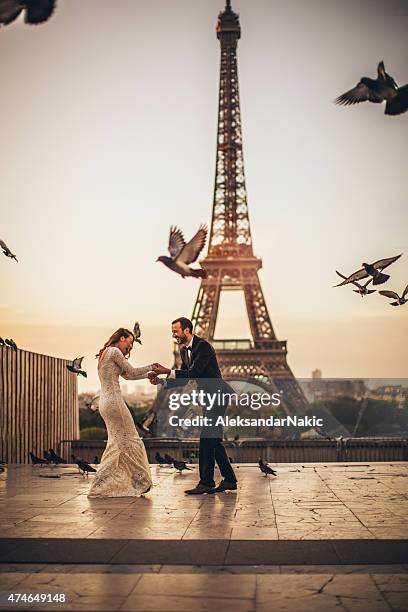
(230, 262)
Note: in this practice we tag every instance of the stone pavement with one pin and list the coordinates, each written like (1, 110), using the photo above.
(329, 536)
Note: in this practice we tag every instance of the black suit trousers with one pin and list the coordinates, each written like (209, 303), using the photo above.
(212, 450)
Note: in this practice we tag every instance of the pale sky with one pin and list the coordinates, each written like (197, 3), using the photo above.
(109, 114)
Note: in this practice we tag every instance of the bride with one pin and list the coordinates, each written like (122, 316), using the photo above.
(124, 469)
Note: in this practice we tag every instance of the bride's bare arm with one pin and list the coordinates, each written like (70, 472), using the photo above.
(127, 371)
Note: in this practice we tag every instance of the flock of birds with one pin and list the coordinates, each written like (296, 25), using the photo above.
(180, 466)
(382, 89)
(51, 458)
(374, 273)
(9, 343)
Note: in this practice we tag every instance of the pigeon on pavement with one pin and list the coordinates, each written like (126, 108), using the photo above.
(181, 465)
(265, 468)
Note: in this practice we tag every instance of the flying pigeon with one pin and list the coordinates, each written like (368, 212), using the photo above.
(10, 344)
(183, 254)
(378, 90)
(93, 405)
(181, 465)
(3, 245)
(137, 333)
(36, 11)
(266, 469)
(148, 419)
(373, 270)
(75, 367)
(362, 289)
(399, 300)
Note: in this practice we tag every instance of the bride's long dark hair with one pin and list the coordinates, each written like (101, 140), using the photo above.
(122, 332)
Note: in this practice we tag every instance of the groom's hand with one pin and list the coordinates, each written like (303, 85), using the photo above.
(159, 369)
(154, 379)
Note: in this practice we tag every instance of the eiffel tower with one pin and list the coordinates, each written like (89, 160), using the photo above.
(230, 262)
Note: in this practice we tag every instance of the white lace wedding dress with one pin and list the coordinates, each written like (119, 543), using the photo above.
(124, 470)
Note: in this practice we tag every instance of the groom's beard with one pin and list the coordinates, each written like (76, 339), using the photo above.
(182, 341)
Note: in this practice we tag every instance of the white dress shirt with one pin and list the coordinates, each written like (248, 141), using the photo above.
(187, 346)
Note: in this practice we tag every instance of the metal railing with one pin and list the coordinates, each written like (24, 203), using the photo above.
(250, 450)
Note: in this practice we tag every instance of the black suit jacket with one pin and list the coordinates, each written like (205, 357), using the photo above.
(203, 368)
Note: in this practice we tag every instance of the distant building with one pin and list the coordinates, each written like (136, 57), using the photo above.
(320, 389)
(389, 393)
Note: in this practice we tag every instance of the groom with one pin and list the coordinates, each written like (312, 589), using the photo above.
(199, 362)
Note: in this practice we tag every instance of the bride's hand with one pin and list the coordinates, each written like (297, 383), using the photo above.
(159, 369)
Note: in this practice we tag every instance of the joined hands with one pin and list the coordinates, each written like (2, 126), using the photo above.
(157, 369)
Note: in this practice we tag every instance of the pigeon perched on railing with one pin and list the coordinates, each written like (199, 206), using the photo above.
(35, 11)
(399, 300)
(362, 289)
(4, 246)
(84, 467)
(182, 254)
(2, 343)
(374, 270)
(75, 367)
(378, 90)
(137, 333)
(37, 461)
(181, 465)
(10, 344)
(56, 458)
(266, 469)
(170, 460)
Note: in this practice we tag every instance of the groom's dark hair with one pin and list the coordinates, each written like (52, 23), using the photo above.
(185, 323)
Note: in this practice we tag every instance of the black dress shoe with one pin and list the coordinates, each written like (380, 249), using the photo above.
(225, 486)
(199, 490)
